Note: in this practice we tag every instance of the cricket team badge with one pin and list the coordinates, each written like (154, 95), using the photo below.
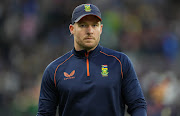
(104, 69)
(87, 8)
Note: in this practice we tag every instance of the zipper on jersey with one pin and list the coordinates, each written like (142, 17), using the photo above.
(87, 63)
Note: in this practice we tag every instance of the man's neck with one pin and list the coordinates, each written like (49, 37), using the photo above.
(88, 50)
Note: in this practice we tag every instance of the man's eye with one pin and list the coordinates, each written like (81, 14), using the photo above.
(95, 25)
(82, 25)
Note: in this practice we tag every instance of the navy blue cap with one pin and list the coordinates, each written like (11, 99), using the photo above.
(84, 10)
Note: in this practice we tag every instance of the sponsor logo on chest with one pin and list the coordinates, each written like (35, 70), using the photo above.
(69, 76)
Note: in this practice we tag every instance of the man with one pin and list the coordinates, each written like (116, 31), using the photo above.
(90, 80)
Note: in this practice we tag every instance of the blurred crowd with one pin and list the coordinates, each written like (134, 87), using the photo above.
(35, 32)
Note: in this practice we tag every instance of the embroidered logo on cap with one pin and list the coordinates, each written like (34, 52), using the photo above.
(104, 69)
(87, 8)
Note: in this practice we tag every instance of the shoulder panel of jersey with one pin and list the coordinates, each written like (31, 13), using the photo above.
(119, 56)
(54, 65)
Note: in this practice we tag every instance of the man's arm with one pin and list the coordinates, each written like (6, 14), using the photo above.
(132, 92)
(48, 99)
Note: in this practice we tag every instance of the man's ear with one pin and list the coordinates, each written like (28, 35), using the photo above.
(101, 28)
(71, 29)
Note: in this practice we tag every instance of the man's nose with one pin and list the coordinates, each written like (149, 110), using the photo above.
(90, 30)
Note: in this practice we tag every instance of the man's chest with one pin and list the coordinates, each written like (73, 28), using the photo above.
(79, 75)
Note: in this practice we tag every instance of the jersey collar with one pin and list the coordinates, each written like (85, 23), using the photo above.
(83, 53)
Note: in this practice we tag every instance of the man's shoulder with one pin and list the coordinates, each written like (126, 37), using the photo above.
(120, 56)
(115, 53)
(59, 60)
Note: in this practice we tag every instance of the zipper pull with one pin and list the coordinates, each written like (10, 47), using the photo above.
(87, 54)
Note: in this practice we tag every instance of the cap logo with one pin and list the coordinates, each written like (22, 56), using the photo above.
(87, 8)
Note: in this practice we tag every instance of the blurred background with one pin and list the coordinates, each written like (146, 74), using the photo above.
(35, 32)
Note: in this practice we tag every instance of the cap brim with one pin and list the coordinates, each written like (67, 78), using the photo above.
(79, 18)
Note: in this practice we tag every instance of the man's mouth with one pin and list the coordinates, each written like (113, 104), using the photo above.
(87, 38)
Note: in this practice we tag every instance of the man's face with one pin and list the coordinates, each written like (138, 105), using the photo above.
(86, 33)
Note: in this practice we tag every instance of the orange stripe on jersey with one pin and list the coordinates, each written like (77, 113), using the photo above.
(58, 67)
(87, 63)
(116, 59)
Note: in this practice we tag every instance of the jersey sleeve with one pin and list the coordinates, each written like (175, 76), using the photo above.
(48, 99)
(131, 90)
